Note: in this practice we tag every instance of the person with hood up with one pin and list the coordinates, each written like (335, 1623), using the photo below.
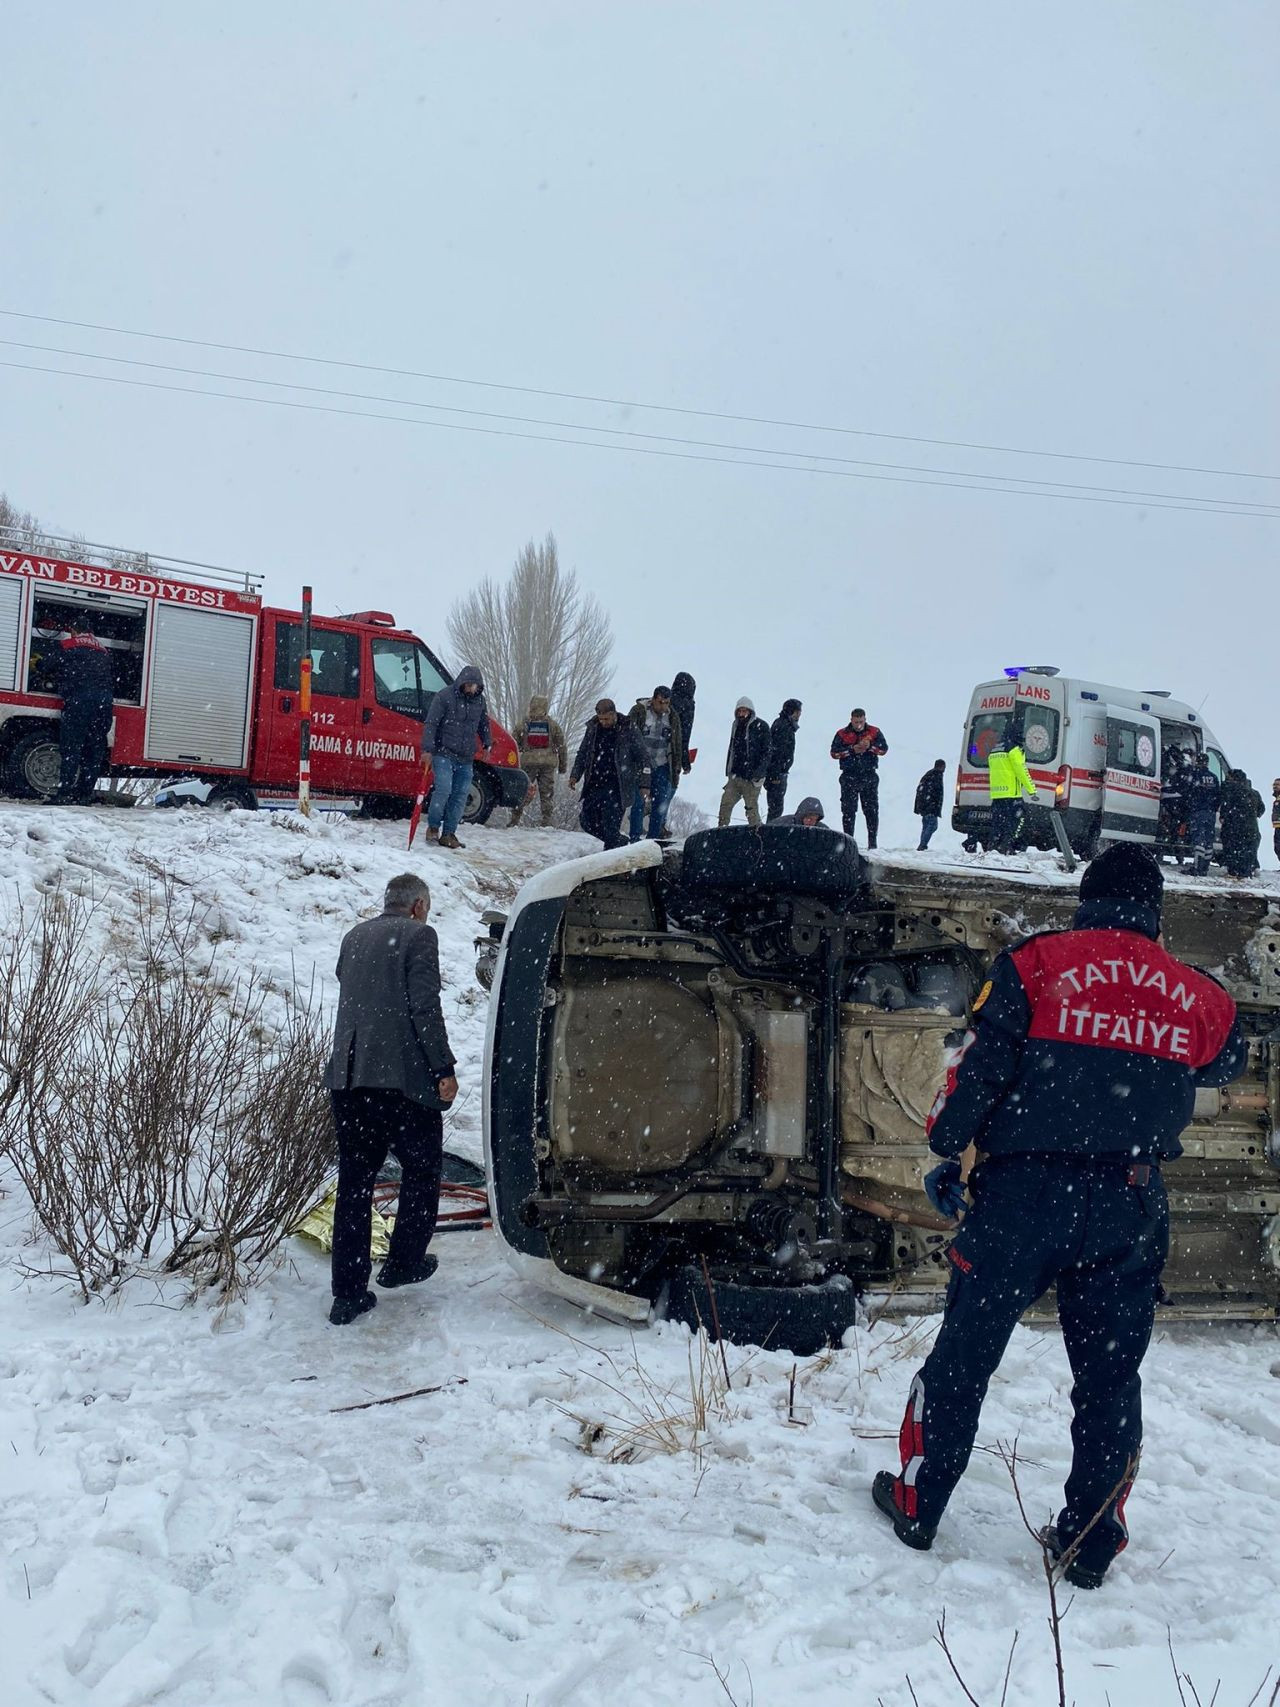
(1275, 815)
(928, 806)
(544, 754)
(456, 719)
(1240, 806)
(658, 724)
(1008, 779)
(859, 746)
(1075, 1081)
(745, 763)
(610, 762)
(683, 688)
(782, 755)
(809, 813)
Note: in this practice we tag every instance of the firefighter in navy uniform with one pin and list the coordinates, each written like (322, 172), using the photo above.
(1075, 1082)
(86, 685)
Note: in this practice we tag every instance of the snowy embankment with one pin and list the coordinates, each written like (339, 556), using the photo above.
(191, 1519)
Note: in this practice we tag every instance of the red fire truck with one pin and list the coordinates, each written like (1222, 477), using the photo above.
(207, 685)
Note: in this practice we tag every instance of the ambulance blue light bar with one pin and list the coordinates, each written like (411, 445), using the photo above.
(1013, 671)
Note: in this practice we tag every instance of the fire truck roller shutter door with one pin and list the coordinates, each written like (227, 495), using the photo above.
(11, 591)
(201, 686)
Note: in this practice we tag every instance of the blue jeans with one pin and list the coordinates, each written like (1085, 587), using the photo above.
(451, 778)
(660, 793)
(929, 822)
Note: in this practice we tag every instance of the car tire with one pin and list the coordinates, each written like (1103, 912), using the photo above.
(232, 797)
(32, 767)
(798, 1319)
(482, 798)
(818, 862)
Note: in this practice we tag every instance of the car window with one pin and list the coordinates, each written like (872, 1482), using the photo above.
(1040, 724)
(433, 678)
(335, 661)
(1217, 764)
(1131, 747)
(395, 677)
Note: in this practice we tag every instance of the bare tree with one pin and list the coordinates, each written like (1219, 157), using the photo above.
(537, 633)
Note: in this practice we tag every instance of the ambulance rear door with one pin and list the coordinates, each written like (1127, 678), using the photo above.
(1131, 785)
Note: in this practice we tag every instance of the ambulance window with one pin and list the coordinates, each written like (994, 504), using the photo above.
(121, 630)
(395, 677)
(1131, 747)
(1039, 734)
(335, 661)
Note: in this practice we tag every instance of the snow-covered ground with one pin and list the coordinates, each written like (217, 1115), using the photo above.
(190, 1519)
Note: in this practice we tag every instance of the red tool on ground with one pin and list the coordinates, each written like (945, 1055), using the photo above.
(415, 817)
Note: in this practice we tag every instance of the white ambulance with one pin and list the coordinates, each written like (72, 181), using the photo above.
(1097, 755)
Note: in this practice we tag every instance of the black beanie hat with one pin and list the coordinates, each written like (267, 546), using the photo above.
(1126, 871)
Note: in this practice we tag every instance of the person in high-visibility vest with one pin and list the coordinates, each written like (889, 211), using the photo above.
(1008, 779)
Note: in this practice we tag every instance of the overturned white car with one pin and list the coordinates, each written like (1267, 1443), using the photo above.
(709, 1069)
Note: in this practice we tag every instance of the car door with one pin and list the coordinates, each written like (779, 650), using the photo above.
(1131, 784)
(337, 727)
(395, 706)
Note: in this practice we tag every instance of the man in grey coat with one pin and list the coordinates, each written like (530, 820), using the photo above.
(456, 720)
(390, 1077)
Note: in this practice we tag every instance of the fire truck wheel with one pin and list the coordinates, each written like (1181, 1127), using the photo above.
(32, 769)
(482, 797)
(231, 797)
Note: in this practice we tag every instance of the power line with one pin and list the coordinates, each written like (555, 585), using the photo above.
(631, 403)
(634, 450)
(1232, 504)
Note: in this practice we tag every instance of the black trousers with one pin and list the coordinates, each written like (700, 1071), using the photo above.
(1006, 825)
(1099, 1231)
(371, 1123)
(776, 795)
(865, 791)
(601, 815)
(82, 745)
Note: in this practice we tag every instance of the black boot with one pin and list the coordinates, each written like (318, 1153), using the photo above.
(389, 1276)
(347, 1309)
(909, 1530)
(1078, 1575)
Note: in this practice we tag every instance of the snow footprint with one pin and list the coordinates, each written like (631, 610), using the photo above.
(304, 1682)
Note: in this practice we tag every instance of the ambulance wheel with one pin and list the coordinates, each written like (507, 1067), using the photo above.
(33, 768)
(482, 797)
(232, 797)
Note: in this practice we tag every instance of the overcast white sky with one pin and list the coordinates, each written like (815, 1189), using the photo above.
(1050, 226)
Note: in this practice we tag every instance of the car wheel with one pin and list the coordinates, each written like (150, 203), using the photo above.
(482, 797)
(33, 768)
(798, 1319)
(820, 862)
(232, 797)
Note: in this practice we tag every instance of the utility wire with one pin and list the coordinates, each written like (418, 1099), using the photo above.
(634, 450)
(630, 403)
(1233, 504)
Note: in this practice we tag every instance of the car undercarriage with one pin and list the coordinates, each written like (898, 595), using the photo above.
(710, 1068)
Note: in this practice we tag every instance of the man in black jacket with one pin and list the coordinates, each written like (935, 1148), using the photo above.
(782, 754)
(1077, 1077)
(859, 746)
(683, 689)
(928, 806)
(745, 763)
(610, 762)
(85, 682)
(390, 1076)
(1201, 790)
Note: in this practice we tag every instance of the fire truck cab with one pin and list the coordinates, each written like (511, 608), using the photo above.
(207, 684)
(1097, 754)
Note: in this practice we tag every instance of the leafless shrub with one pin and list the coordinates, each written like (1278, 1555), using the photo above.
(160, 1120)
